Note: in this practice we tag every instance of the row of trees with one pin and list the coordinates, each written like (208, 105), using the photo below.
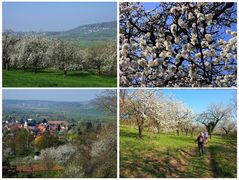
(33, 53)
(152, 110)
(178, 44)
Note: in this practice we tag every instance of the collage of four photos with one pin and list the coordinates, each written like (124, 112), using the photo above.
(119, 89)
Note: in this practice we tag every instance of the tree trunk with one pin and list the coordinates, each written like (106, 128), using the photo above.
(99, 72)
(6, 67)
(35, 70)
(65, 72)
(140, 131)
(177, 132)
(209, 131)
(192, 132)
(158, 130)
(226, 131)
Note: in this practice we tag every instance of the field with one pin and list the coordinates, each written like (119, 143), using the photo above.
(55, 78)
(168, 155)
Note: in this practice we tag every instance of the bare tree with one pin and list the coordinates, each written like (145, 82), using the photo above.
(213, 115)
(228, 125)
(107, 101)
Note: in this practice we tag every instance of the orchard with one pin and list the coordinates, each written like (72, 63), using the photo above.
(34, 53)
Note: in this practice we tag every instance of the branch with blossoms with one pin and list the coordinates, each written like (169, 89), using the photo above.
(178, 45)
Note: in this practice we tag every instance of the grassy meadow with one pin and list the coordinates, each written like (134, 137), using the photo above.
(56, 78)
(168, 155)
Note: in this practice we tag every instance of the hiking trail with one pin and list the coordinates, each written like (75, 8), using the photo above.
(201, 166)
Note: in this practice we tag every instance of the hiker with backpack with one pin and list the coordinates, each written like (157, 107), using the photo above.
(200, 140)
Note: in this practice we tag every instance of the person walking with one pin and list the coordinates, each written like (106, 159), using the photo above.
(205, 136)
(200, 140)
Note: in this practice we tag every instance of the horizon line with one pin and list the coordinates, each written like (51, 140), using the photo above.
(45, 100)
(40, 31)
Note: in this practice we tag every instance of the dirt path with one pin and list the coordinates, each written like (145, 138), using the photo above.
(209, 164)
(200, 166)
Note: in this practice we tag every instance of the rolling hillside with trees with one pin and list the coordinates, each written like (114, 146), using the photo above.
(83, 36)
(18, 110)
(85, 56)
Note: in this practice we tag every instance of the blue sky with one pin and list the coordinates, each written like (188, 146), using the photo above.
(55, 16)
(199, 99)
(51, 94)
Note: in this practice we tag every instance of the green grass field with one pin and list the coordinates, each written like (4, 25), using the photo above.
(168, 155)
(55, 78)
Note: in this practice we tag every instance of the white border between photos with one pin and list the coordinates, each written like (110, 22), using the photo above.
(116, 88)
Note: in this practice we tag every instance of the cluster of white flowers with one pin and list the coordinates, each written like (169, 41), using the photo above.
(182, 24)
(61, 154)
(209, 18)
(178, 48)
(208, 37)
(175, 10)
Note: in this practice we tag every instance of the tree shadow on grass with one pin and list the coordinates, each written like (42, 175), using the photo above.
(224, 160)
(154, 164)
(69, 73)
(79, 74)
(129, 134)
(196, 169)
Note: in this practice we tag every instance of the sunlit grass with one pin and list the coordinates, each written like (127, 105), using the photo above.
(168, 155)
(56, 78)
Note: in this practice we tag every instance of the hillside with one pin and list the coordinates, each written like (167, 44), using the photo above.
(85, 35)
(70, 111)
(90, 34)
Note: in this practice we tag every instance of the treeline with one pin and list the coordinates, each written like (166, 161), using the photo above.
(34, 53)
(152, 110)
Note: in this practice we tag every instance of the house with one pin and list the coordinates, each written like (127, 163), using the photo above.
(55, 125)
(41, 128)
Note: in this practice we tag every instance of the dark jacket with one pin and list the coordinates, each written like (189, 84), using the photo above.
(200, 139)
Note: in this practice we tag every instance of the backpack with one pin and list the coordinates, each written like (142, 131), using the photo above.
(200, 139)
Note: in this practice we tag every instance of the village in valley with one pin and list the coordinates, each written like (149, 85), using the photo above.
(47, 147)
(53, 127)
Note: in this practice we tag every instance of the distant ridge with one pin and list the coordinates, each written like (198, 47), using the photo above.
(97, 26)
(62, 110)
(87, 35)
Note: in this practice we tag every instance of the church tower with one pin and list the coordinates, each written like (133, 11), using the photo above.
(25, 124)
